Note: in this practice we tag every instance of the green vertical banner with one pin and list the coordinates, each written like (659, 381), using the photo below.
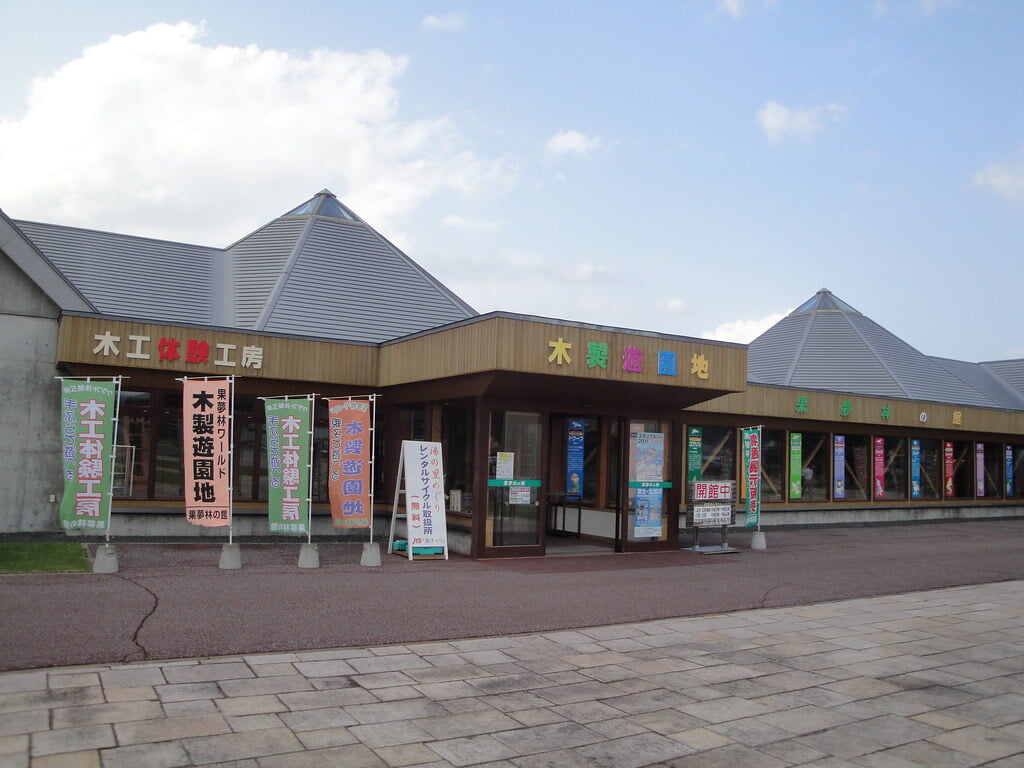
(88, 415)
(752, 473)
(796, 460)
(288, 460)
(694, 454)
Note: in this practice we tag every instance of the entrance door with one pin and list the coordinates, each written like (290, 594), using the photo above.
(649, 521)
(513, 524)
(582, 492)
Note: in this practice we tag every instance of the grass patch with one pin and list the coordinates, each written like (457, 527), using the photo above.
(43, 557)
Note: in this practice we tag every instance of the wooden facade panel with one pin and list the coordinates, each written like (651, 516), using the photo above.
(133, 345)
(530, 346)
(795, 404)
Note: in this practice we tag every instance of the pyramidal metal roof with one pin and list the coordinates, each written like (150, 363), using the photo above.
(318, 270)
(827, 344)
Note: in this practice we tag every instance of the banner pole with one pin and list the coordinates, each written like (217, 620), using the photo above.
(373, 451)
(231, 461)
(113, 454)
(311, 399)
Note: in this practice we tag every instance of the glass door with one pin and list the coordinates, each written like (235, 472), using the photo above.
(648, 519)
(514, 481)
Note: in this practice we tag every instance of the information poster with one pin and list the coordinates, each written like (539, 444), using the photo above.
(1008, 474)
(949, 467)
(879, 473)
(505, 465)
(648, 468)
(424, 494)
(839, 467)
(694, 454)
(87, 437)
(574, 453)
(288, 463)
(916, 491)
(796, 458)
(206, 411)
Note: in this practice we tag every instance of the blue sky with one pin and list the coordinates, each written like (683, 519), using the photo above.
(696, 168)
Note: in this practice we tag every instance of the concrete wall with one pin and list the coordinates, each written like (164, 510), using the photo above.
(29, 400)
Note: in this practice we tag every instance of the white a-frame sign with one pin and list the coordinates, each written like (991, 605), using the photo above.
(421, 469)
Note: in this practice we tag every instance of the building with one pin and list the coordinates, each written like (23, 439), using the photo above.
(550, 428)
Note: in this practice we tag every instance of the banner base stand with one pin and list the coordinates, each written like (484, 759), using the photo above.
(230, 557)
(309, 556)
(106, 559)
(371, 554)
(757, 540)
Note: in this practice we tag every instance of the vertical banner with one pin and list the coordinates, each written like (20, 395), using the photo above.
(979, 469)
(351, 457)
(424, 494)
(1009, 471)
(949, 465)
(796, 460)
(88, 410)
(574, 458)
(839, 467)
(879, 473)
(694, 454)
(289, 422)
(206, 424)
(916, 492)
(752, 473)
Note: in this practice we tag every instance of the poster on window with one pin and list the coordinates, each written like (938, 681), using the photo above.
(424, 494)
(1008, 471)
(574, 457)
(694, 454)
(949, 468)
(349, 462)
(839, 467)
(289, 421)
(979, 469)
(87, 438)
(647, 520)
(206, 426)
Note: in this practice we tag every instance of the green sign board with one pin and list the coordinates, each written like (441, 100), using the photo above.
(88, 411)
(288, 450)
(694, 454)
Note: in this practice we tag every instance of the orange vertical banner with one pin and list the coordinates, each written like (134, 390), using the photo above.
(348, 480)
(206, 427)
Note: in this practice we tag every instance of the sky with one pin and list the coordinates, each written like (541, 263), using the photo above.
(697, 167)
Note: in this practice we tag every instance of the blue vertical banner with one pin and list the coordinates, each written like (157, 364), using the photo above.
(574, 452)
(915, 470)
(839, 467)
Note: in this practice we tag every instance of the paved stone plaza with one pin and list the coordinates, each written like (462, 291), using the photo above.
(930, 679)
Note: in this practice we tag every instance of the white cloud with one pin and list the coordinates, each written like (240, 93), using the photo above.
(1005, 179)
(572, 143)
(155, 133)
(780, 123)
(446, 21)
(732, 8)
(743, 331)
(459, 222)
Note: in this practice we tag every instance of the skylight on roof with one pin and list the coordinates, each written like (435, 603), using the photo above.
(323, 204)
(824, 300)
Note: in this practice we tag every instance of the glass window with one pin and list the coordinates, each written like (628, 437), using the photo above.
(850, 468)
(772, 461)
(890, 468)
(926, 470)
(809, 471)
(711, 453)
(612, 468)
(170, 473)
(457, 449)
(1015, 472)
(990, 468)
(958, 469)
(514, 476)
(134, 440)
